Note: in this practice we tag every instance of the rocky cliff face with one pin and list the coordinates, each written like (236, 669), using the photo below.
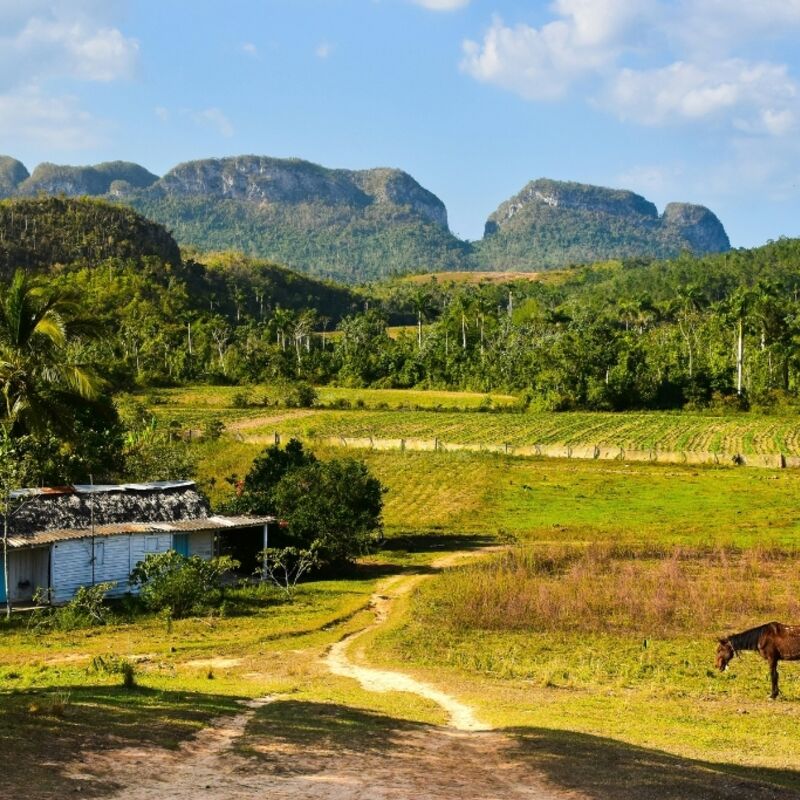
(356, 225)
(12, 174)
(261, 179)
(698, 226)
(112, 178)
(552, 223)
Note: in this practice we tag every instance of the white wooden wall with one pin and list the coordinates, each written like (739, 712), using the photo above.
(115, 557)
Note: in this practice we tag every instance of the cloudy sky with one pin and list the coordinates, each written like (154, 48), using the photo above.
(695, 100)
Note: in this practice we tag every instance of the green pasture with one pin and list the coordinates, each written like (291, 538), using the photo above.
(584, 698)
(554, 500)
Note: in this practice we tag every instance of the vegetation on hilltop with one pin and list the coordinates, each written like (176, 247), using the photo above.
(341, 242)
(40, 233)
(554, 224)
(362, 225)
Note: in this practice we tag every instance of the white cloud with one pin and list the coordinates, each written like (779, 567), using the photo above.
(215, 119)
(43, 41)
(755, 98)
(324, 50)
(442, 5)
(250, 49)
(55, 123)
(598, 42)
(710, 26)
(536, 64)
(46, 48)
(542, 63)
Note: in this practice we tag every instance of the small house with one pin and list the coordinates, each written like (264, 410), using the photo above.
(62, 538)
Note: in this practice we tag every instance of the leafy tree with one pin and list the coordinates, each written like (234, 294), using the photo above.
(42, 377)
(333, 507)
(181, 585)
(329, 508)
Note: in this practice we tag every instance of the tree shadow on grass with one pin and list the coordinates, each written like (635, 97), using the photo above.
(43, 730)
(305, 738)
(327, 727)
(418, 543)
(607, 769)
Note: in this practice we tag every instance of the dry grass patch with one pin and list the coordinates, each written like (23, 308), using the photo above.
(616, 589)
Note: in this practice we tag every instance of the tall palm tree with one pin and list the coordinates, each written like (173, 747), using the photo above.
(41, 381)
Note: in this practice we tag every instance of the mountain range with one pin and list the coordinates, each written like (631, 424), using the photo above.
(358, 225)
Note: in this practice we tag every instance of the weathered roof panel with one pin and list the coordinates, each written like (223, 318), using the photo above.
(214, 523)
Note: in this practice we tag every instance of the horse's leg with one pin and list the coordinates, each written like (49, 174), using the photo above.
(773, 671)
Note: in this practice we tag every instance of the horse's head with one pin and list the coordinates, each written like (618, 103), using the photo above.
(725, 653)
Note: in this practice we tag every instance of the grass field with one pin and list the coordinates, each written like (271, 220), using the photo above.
(399, 413)
(589, 641)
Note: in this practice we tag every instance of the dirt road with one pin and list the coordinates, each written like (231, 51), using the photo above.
(282, 747)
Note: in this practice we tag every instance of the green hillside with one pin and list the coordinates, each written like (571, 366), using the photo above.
(39, 233)
(552, 224)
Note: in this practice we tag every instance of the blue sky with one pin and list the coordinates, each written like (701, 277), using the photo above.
(695, 100)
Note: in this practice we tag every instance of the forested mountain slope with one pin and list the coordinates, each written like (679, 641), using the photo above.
(553, 224)
(364, 225)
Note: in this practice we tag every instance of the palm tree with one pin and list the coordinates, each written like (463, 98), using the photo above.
(41, 381)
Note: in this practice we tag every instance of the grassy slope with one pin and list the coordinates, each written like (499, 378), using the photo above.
(588, 699)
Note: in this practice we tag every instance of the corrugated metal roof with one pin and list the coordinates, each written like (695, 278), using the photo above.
(213, 523)
(101, 488)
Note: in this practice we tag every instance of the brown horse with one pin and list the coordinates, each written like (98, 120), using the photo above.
(775, 641)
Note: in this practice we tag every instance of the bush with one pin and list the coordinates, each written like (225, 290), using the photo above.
(87, 608)
(114, 665)
(180, 584)
(213, 429)
(300, 395)
(241, 400)
(331, 507)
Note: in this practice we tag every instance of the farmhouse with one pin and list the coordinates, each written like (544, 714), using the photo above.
(60, 539)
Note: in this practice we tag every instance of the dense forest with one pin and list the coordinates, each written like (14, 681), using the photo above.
(718, 330)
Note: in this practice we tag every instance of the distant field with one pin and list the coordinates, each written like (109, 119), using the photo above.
(195, 404)
(453, 417)
(645, 431)
(477, 277)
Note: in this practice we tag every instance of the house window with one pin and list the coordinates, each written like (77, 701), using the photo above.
(151, 544)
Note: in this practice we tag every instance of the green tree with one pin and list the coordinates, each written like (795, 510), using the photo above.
(333, 507)
(42, 377)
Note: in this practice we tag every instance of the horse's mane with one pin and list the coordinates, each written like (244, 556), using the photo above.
(747, 640)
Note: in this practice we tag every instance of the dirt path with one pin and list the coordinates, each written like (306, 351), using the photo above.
(145, 773)
(338, 660)
(398, 761)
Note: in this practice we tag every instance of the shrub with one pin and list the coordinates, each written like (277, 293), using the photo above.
(114, 665)
(213, 429)
(333, 507)
(241, 400)
(183, 585)
(87, 608)
(52, 705)
(300, 395)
